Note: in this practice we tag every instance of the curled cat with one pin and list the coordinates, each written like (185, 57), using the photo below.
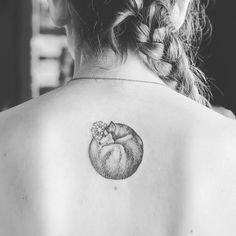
(115, 151)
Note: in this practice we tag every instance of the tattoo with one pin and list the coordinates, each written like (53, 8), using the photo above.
(115, 151)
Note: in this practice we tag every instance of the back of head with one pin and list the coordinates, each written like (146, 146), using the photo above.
(147, 28)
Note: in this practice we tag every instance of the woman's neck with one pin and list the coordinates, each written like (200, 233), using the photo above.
(109, 66)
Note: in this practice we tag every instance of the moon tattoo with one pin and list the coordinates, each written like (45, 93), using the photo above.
(115, 150)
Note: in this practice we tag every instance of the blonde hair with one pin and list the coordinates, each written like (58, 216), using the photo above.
(145, 26)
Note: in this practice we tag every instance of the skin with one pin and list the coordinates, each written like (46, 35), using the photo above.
(184, 186)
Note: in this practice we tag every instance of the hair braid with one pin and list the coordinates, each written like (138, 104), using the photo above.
(164, 53)
(146, 27)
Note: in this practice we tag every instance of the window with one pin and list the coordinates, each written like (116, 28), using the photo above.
(51, 64)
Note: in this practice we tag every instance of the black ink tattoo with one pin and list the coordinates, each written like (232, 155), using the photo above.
(115, 151)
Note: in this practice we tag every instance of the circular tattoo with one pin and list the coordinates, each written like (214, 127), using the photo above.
(115, 151)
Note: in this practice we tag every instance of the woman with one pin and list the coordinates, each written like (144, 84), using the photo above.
(129, 146)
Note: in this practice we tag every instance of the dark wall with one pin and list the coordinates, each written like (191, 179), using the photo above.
(15, 33)
(220, 63)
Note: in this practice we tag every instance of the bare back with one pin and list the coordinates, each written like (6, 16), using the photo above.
(182, 186)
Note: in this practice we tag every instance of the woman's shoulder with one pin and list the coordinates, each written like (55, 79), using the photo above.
(162, 110)
(213, 135)
(24, 125)
(166, 109)
(216, 140)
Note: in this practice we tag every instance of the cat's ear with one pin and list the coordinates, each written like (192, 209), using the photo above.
(179, 13)
(59, 12)
(112, 126)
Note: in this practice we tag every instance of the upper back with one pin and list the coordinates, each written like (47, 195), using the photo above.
(47, 172)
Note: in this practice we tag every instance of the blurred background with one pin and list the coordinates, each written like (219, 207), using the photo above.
(34, 58)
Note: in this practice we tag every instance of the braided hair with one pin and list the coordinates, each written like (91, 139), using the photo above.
(145, 26)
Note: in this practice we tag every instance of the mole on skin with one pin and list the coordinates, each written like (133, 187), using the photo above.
(115, 151)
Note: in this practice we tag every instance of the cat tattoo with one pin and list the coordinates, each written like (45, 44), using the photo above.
(115, 151)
